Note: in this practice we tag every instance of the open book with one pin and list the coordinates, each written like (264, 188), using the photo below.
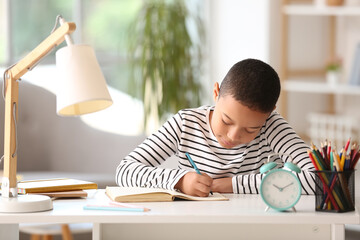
(138, 194)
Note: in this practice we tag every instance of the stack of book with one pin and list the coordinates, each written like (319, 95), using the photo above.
(56, 187)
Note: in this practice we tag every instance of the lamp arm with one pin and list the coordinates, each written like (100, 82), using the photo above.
(9, 181)
(56, 38)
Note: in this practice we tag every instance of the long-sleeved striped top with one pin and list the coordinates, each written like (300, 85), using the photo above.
(189, 131)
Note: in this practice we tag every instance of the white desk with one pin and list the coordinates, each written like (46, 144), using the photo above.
(242, 216)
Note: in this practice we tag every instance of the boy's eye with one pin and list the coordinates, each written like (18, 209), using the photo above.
(251, 132)
(225, 122)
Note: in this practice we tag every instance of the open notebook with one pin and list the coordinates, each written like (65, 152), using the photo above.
(138, 194)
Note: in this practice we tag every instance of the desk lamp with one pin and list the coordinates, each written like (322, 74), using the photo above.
(82, 89)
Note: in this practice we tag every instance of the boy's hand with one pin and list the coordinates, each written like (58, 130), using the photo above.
(195, 184)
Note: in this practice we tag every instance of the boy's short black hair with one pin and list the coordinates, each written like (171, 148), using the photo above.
(253, 83)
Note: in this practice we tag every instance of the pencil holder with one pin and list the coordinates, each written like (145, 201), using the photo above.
(335, 191)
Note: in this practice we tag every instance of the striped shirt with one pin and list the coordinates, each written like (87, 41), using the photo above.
(189, 131)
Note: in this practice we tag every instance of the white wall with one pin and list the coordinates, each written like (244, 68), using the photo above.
(240, 29)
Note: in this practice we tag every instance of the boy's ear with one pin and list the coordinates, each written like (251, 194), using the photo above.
(216, 91)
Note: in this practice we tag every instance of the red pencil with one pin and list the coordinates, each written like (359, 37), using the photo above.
(329, 150)
(347, 144)
(354, 149)
(331, 189)
(355, 159)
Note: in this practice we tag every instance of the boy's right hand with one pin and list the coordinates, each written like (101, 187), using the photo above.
(195, 184)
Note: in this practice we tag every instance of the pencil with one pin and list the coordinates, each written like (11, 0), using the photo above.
(351, 154)
(329, 149)
(127, 205)
(355, 159)
(331, 187)
(342, 161)
(342, 181)
(347, 145)
(331, 161)
(344, 187)
(336, 160)
(324, 153)
(194, 166)
(354, 156)
(347, 163)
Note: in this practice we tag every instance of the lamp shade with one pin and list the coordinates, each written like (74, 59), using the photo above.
(81, 85)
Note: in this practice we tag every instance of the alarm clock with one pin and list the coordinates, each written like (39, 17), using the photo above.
(280, 189)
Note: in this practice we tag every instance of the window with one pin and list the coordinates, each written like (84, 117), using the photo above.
(102, 24)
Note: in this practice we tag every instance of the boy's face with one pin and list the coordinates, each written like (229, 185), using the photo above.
(233, 123)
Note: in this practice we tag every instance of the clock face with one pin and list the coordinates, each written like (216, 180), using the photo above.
(280, 189)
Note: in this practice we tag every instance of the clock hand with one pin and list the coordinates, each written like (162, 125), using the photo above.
(279, 188)
(287, 185)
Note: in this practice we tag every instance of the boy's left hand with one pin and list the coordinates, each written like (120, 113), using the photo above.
(222, 185)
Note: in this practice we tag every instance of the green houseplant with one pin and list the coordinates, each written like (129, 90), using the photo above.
(333, 71)
(165, 60)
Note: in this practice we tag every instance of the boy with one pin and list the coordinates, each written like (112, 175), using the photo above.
(228, 142)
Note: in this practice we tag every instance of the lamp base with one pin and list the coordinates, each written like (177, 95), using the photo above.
(25, 203)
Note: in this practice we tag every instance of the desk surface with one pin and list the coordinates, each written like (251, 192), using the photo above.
(239, 209)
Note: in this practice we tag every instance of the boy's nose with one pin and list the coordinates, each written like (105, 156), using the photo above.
(234, 135)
